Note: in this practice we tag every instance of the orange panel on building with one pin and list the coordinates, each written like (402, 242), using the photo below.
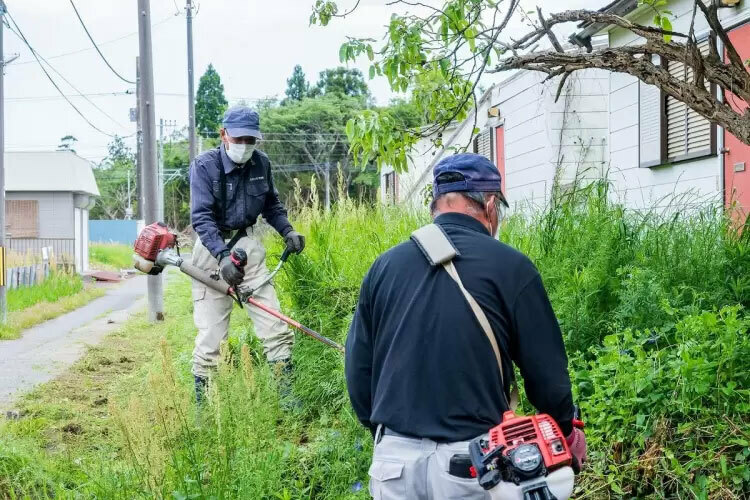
(737, 159)
(500, 154)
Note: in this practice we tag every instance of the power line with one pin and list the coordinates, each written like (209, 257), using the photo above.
(97, 47)
(37, 56)
(57, 97)
(73, 52)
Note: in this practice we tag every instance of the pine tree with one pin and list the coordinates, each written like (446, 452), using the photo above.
(210, 103)
(297, 86)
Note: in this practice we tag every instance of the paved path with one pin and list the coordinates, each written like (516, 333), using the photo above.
(46, 350)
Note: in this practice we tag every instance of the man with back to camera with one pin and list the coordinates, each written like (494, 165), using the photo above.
(231, 186)
(422, 373)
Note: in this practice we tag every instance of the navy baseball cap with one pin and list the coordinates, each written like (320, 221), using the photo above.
(241, 121)
(467, 172)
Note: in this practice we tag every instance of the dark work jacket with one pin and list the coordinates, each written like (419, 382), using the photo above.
(417, 359)
(250, 193)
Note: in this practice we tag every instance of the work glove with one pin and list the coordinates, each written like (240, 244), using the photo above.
(577, 444)
(295, 242)
(232, 274)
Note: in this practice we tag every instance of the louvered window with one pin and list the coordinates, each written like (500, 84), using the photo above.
(688, 134)
(483, 144)
(22, 218)
(391, 187)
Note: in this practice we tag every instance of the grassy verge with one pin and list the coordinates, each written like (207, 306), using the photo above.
(652, 312)
(110, 256)
(29, 306)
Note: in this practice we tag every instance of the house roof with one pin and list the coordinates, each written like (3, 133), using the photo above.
(618, 8)
(49, 171)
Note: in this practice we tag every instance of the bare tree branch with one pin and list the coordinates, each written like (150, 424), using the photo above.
(550, 34)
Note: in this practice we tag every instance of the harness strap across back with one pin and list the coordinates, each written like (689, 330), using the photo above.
(439, 251)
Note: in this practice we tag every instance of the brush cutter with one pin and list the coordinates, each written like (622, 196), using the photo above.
(525, 458)
(156, 248)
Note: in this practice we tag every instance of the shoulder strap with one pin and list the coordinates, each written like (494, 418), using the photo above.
(222, 189)
(439, 250)
(434, 244)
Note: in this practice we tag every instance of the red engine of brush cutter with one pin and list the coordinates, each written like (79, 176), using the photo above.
(153, 239)
(525, 457)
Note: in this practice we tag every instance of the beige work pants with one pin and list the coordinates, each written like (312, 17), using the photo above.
(417, 469)
(211, 309)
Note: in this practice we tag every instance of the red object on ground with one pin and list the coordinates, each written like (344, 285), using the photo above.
(106, 276)
(154, 238)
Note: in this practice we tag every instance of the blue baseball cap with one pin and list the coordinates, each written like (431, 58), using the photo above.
(241, 121)
(467, 172)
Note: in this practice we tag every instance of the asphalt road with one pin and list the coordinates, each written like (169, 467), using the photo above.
(48, 349)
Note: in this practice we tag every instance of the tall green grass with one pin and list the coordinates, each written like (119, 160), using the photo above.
(110, 256)
(652, 310)
(57, 286)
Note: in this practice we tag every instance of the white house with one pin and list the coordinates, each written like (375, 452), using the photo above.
(648, 145)
(658, 147)
(48, 196)
(527, 134)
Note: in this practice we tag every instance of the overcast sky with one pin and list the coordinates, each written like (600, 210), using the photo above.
(253, 44)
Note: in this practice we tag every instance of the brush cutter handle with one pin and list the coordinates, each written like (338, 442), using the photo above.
(286, 254)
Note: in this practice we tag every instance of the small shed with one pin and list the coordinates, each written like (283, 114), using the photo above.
(48, 196)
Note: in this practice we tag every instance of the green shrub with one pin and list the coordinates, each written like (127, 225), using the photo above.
(668, 410)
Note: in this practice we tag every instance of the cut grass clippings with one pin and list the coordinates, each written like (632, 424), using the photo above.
(110, 256)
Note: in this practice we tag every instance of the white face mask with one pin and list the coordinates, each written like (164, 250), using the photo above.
(239, 153)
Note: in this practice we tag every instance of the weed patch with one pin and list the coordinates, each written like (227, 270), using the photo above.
(652, 310)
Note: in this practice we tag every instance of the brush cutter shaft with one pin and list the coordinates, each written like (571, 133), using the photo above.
(168, 257)
(296, 324)
(199, 274)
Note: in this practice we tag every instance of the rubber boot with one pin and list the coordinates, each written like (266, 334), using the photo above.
(201, 383)
(283, 373)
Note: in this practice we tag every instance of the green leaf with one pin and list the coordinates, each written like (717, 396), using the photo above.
(370, 53)
(342, 52)
(666, 25)
(372, 72)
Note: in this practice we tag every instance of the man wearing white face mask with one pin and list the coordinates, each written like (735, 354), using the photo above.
(230, 187)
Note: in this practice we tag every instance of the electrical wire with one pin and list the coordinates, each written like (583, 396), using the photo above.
(97, 47)
(74, 52)
(17, 31)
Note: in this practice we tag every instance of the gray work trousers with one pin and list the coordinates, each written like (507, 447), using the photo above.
(417, 469)
(211, 309)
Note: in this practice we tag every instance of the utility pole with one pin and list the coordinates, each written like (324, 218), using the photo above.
(191, 89)
(3, 304)
(148, 123)
(138, 142)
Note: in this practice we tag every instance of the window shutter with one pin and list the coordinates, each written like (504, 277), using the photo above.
(484, 144)
(698, 127)
(688, 133)
(676, 117)
(650, 114)
(22, 218)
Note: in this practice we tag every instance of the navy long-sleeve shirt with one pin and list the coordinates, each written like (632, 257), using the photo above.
(417, 359)
(250, 192)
